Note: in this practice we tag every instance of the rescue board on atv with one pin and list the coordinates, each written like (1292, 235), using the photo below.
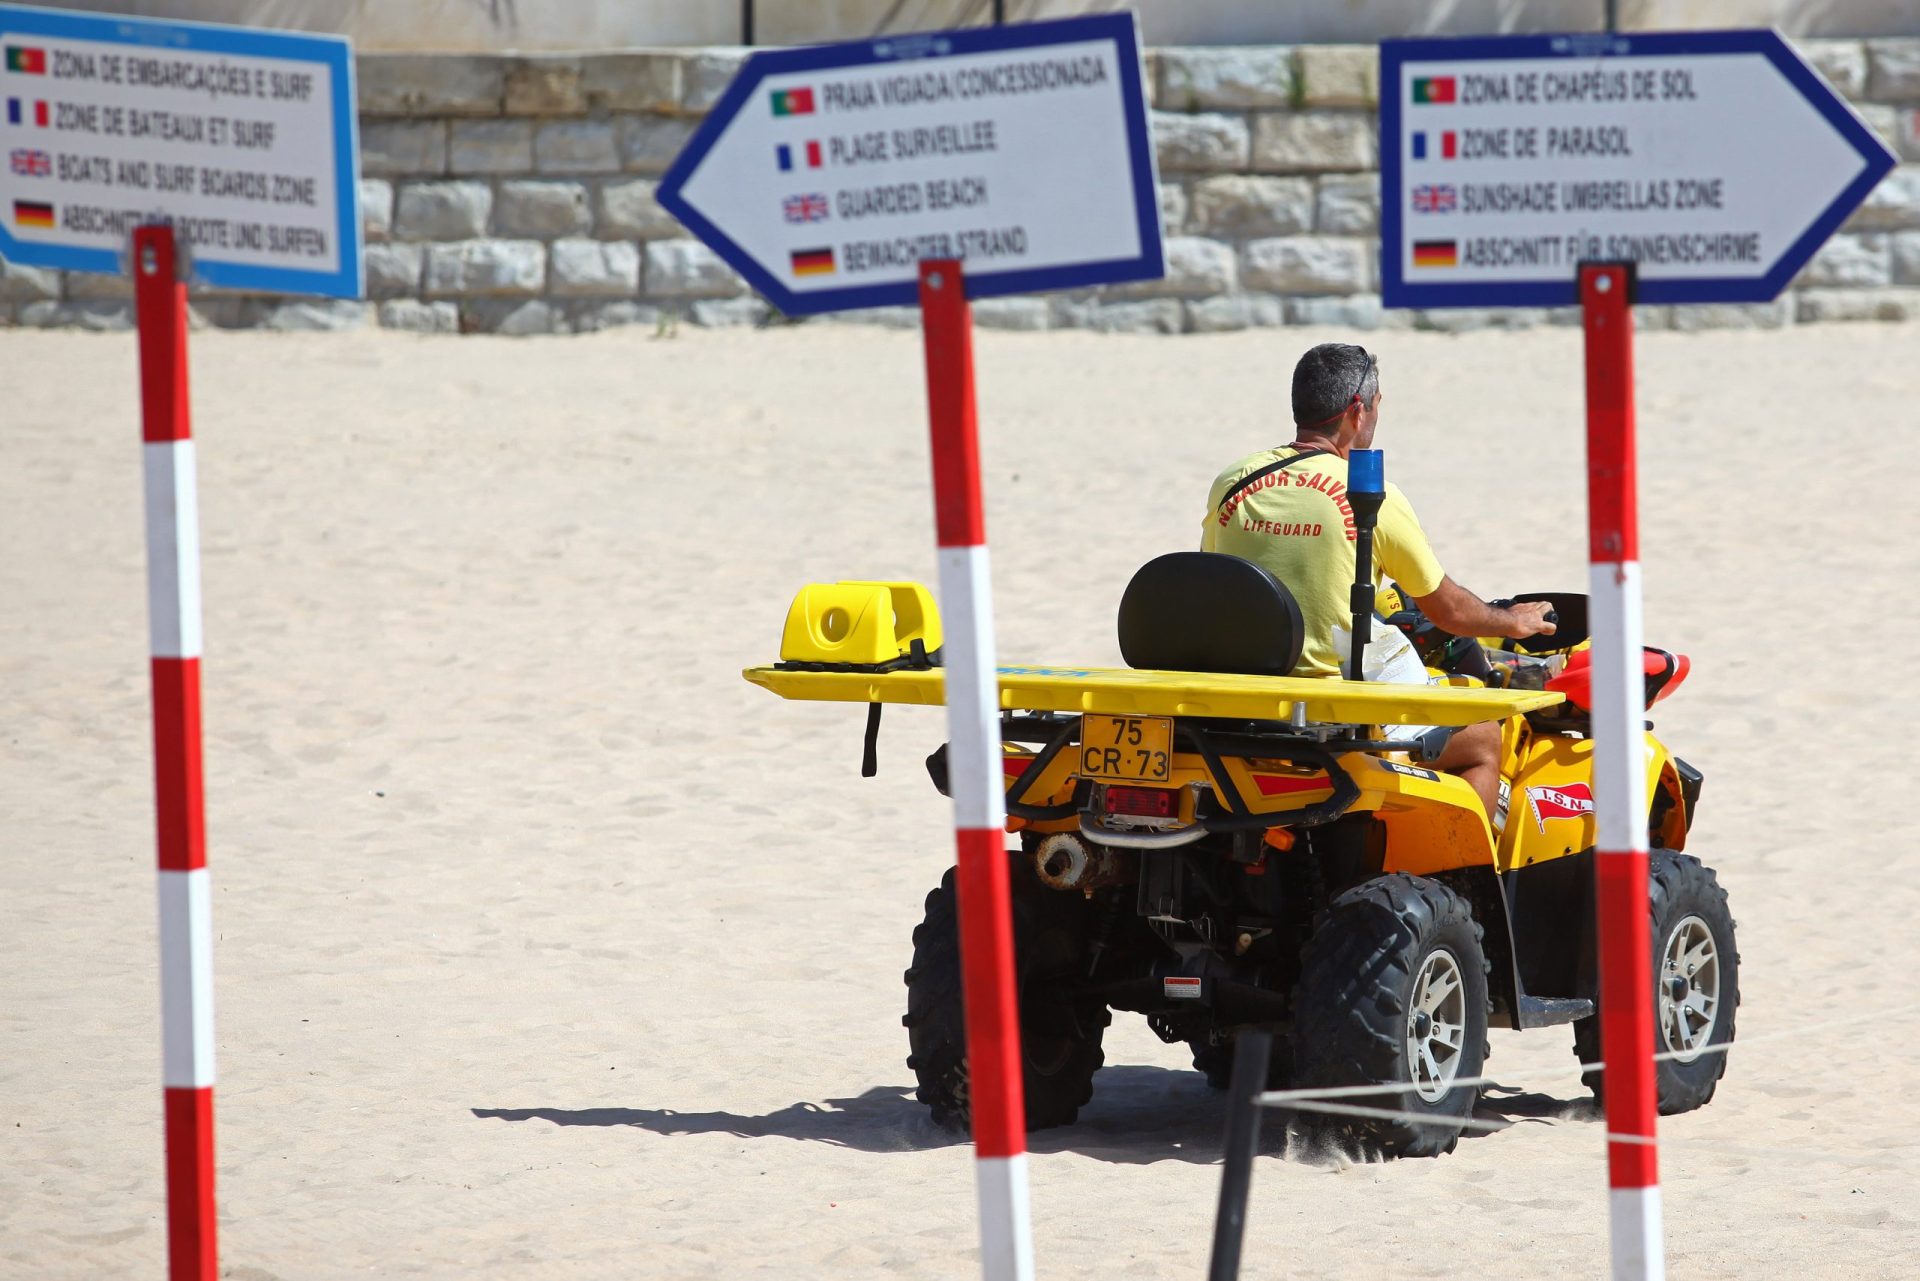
(1150, 693)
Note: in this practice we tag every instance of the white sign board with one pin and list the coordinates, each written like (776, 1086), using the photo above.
(826, 174)
(1717, 162)
(243, 140)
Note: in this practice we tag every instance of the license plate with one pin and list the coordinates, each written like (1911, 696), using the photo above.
(1127, 749)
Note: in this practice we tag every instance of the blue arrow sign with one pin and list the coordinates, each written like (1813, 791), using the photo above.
(824, 175)
(1718, 162)
(245, 141)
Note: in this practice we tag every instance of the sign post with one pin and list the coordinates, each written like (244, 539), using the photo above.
(932, 169)
(155, 144)
(1607, 170)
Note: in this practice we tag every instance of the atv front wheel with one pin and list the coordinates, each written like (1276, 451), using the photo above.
(1696, 975)
(1059, 1034)
(1393, 991)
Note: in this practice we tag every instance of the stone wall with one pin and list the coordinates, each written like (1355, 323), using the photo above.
(516, 195)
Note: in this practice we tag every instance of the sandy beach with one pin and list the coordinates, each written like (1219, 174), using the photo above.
(549, 948)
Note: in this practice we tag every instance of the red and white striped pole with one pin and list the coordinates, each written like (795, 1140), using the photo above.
(974, 773)
(1619, 775)
(173, 612)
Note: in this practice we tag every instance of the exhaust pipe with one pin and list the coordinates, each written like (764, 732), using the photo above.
(1065, 862)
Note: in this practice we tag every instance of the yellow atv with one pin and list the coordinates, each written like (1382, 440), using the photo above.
(1213, 844)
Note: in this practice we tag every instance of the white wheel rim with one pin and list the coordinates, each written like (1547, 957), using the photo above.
(1689, 989)
(1436, 1025)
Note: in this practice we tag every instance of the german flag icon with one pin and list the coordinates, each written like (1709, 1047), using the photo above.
(32, 213)
(1436, 253)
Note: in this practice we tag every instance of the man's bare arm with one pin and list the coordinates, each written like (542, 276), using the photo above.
(1455, 609)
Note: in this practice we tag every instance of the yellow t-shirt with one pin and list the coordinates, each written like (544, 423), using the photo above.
(1298, 525)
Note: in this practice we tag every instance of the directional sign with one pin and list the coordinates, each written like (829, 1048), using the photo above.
(1718, 162)
(243, 140)
(824, 175)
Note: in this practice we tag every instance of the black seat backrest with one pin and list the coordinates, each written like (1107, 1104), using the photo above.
(1209, 612)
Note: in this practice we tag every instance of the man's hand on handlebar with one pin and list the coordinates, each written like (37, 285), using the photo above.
(1532, 618)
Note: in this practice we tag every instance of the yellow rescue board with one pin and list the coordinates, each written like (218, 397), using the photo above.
(1147, 693)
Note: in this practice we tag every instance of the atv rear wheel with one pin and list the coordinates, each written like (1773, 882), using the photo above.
(1059, 1035)
(1393, 991)
(1696, 975)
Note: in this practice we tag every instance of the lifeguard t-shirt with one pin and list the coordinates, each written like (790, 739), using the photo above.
(1298, 525)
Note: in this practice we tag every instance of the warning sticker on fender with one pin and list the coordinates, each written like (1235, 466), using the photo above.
(1569, 800)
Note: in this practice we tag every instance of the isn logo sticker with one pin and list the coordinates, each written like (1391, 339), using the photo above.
(1570, 800)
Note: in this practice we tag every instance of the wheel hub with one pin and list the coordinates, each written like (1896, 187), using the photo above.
(1436, 1025)
(1689, 989)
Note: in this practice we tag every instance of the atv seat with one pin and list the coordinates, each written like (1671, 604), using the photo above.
(1209, 612)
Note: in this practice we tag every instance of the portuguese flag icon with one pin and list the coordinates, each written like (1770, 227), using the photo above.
(1433, 89)
(30, 62)
(793, 102)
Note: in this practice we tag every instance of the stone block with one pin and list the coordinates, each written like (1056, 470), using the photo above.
(27, 284)
(1013, 313)
(629, 211)
(541, 209)
(1242, 206)
(544, 86)
(1209, 142)
(688, 269)
(309, 315)
(1850, 261)
(1336, 75)
(1196, 267)
(1173, 208)
(487, 268)
(591, 317)
(648, 144)
(419, 317)
(393, 269)
(1313, 142)
(435, 84)
(1235, 311)
(403, 148)
(1906, 133)
(1812, 305)
(1893, 70)
(1348, 205)
(648, 81)
(1894, 205)
(1359, 311)
(1154, 316)
(512, 318)
(575, 146)
(99, 315)
(1906, 258)
(593, 269)
(490, 146)
(706, 75)
(89, 286)
(216, 313)
(1229, 77)
(729, 313)
(1755, 315)
(442, 210)
(1308, 265)
(376, 208)
(1843, 63)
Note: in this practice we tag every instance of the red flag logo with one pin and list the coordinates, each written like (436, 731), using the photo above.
(1568, 800)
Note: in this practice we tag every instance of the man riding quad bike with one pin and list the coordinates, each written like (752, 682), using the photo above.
(1217, 841)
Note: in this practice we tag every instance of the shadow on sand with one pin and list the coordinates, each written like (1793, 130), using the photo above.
(1139, 1115)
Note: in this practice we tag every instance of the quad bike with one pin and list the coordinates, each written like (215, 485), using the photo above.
(1213, 844)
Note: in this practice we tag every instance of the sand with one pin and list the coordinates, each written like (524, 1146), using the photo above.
(547, 947)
